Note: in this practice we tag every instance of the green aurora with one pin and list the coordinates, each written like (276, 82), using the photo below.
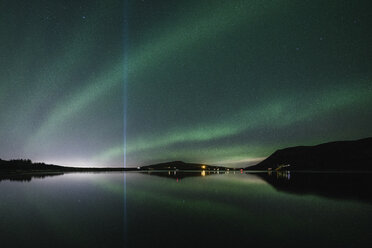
(221, 82)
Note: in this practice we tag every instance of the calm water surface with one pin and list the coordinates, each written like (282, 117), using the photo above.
(187, 210)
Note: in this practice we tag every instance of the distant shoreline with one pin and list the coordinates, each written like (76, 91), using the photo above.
(22, 166)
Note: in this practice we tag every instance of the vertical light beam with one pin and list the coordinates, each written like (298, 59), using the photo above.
(125, 109)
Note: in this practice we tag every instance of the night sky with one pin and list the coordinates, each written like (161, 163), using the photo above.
(218, 82)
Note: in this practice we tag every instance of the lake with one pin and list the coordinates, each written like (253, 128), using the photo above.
(186, 209)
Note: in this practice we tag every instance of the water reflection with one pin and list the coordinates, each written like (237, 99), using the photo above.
(152, 210)
(175, 174)
(28, 177)
(357, 186)
(280, 174)
(347, 186)
(179, 174)
(353, 186)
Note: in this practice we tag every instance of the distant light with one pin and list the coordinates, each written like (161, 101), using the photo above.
(203, 167)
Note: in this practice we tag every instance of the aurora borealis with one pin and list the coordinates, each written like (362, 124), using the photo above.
(218, 82)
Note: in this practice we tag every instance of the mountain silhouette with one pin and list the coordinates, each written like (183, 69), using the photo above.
(340, 155)
(179, 165)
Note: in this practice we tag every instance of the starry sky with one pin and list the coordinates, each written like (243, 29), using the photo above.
(97, 83)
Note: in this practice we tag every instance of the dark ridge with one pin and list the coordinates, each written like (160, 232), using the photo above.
(340, 155)
(179, 165)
